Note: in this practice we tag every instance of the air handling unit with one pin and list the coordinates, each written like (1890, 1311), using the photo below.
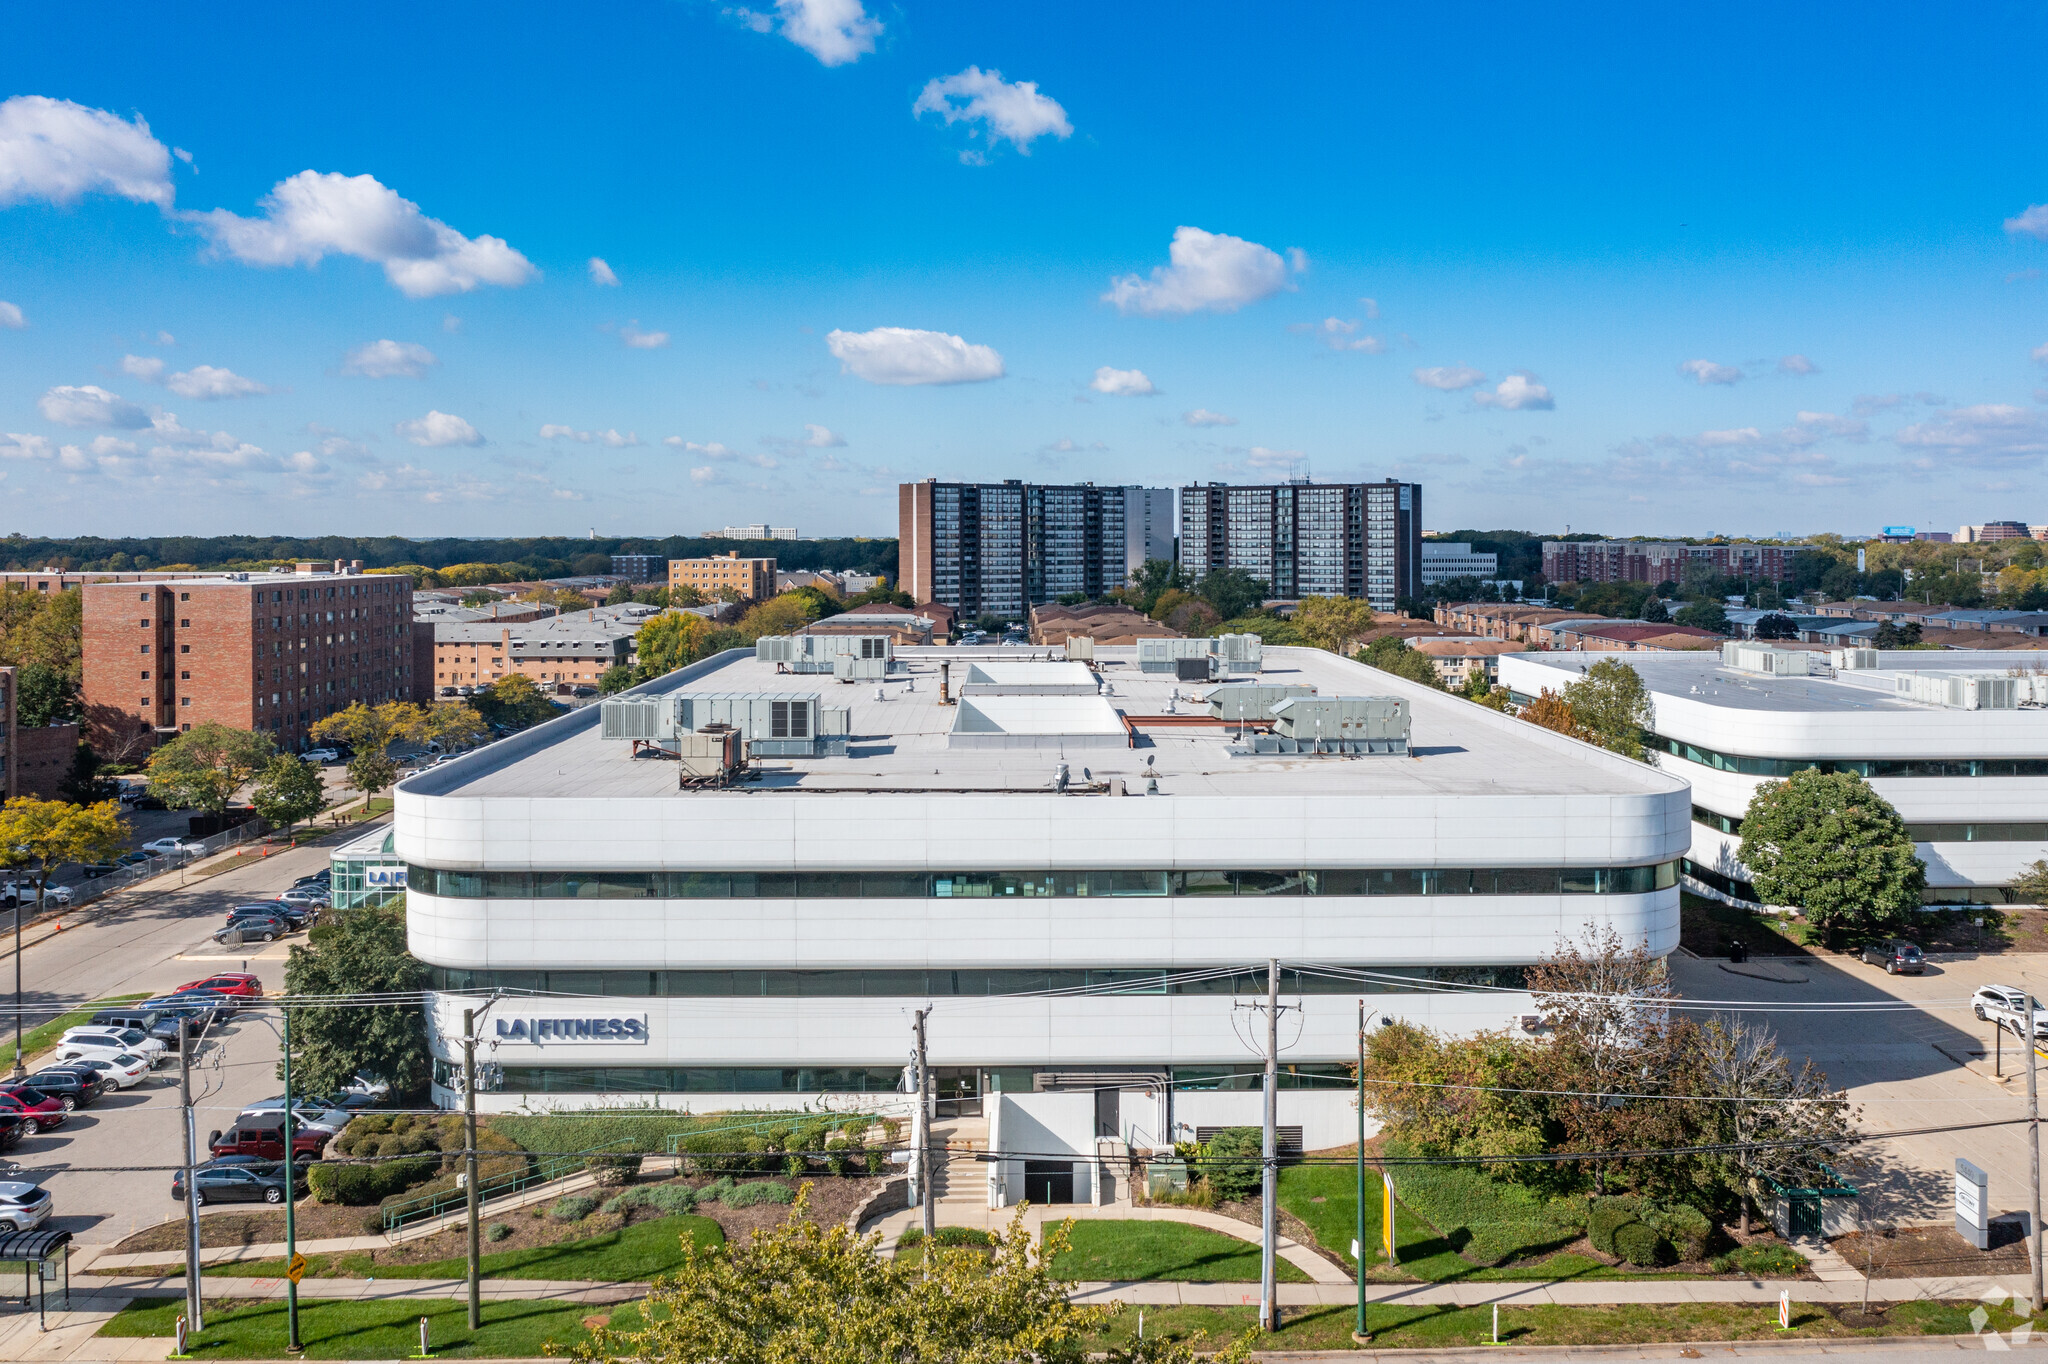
(1747, 657)
(1198, 660)
(771, 724)
(1959, 691)
(1333, 725)
(1252, 700)
(820, 653)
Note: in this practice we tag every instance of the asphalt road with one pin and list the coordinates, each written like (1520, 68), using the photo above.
(152, 941)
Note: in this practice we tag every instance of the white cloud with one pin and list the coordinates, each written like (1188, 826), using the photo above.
(1707, 372)
(166, 429)
(1122, 383)
(834, 31)
(704, 450)
(1008, 111)
(90, 405)
(387, 359)
(1259, 457)
(10, 315)
(1746, 435)
(1983, 433)
(438, 429)
(2040, 354)
(166, 339)
(1339, 333)
(1202, 416)
(450, 322)
(1449, 378)
(2033, 223)
(705, 473)
(639, 340)
(1797, 364)
(22, 445)
(311, 216)
(1371, 306)
(600, 273)
(1518, 393)
(906, 356)
(206, 382)
(610, 438)
(112, 445)
(1207, 272)
(58, 151)
(822, 437)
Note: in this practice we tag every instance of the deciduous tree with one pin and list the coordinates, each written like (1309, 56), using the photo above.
(671, 640)
(1827, 844)
(288, 790)
(359, 951)
(513, 701)
(2030, 887)
(1390, 653)
(1612, 706)
(203, 767)
(1231, 591)
(1333, 623)
(45, 834)
(370, 773)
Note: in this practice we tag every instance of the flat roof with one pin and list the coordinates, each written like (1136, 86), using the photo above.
(900, 743)
(1700, 676)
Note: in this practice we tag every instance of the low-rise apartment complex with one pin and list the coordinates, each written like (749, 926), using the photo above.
(753, 579)
(1644, 561)
(563, 651)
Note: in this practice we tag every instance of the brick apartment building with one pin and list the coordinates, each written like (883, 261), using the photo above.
(274, 652)
(753, 579)
(33, 762)
(569, 650)
(1644, 561)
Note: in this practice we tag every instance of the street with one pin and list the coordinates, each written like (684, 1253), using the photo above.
(153, 940)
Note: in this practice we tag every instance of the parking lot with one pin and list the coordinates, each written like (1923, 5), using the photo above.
(1927, 1065)
(109, 1167)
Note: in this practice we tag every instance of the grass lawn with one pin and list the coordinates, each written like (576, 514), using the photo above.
(632, 1254)
(45, 1037)
(367, 1330)
(1106, 1249)
(1329, 1328)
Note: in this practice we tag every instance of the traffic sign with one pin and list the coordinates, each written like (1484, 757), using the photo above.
(297, 1270)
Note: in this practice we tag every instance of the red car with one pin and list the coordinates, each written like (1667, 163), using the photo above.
(235, 984)
(268, 1142)
(39, 1112)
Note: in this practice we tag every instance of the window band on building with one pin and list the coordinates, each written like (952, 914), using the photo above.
(942, 982)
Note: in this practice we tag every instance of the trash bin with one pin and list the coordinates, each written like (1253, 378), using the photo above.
(1737, 951)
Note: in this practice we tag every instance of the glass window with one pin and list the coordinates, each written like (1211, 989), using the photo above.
(1271, 883)
(1526, 881)
(699, 885)
(1203, 883)
(889, 885)
(508, 885)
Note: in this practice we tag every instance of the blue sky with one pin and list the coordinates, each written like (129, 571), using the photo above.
(1769, 268)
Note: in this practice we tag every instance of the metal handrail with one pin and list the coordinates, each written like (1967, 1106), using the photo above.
(543, 1169)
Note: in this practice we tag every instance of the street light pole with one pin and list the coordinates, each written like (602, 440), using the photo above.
(20, 1073)
(1358, 1332)
(291, 1189)
(476, 1309)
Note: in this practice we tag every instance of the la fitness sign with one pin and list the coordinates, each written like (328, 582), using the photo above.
(543, 1031)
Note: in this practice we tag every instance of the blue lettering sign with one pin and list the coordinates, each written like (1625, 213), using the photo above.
(537, 1030)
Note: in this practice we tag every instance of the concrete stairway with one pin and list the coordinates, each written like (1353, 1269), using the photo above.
(959, 1180)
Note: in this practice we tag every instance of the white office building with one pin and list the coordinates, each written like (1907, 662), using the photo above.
(1443, 560)
(1080, 874)
(1956, 740)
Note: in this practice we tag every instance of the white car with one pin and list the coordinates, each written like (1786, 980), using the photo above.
(108, 1041)
(124, 1070)
(24, 1207)
(172, 845)
(320, 755)
(2005, 1004)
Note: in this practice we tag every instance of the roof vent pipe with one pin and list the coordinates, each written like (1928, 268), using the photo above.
(1059, 778)
(945, 684)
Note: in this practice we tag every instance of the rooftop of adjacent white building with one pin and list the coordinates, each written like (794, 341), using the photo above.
(1702, 677)
(900, 732)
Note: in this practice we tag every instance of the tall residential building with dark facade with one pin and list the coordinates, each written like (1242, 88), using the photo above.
(1309, 539)
(1647, 561)
(1000, 548)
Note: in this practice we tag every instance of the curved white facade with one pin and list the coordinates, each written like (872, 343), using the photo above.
(527, 831)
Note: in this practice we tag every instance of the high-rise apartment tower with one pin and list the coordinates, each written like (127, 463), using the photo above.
(1309, 539)
(999, 548)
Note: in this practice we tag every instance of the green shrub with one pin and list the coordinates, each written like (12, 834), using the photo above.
(876, 1161)
(716, 1191)
(669, 1198)
(759, 1191)
(1231, 1161)
(333, 1183)
(497, 1231)
(1605, 1217)
(1687, 1228)
(640, 1129)
(1499, 1220)
(794, 1165)
(949, 1236)
(574, 1208)
(1761, 1261)
(613, 1171)
(1639, 1244)
(839, 1155)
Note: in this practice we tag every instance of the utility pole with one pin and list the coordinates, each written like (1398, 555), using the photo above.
(926, 1199)
(20, 1072)
(1358, 1332)
(476, 1305)
(2034, 1165)
(291, 1190)
(1269, 1183)
(191, 1182)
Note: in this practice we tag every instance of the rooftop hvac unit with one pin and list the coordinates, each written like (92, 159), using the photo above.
(648, 718)
(1849, 660)
(855, 668)
(1749, 657)
(815, 653)
(1163, 655)
(774, 724)
(1959, 691)
(1081, 648)
(2032, 688)
(710, 756)
(1192, 668)
(776, 649)
(1333, 725)
(1239, 655)
(1251, 700)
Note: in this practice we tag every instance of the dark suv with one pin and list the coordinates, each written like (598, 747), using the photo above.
(1897, 956)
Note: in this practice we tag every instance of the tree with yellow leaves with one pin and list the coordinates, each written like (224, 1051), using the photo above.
(1333, 623)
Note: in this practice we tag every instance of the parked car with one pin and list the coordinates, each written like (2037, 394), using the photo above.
(367, 1084)
(586, 691)
(267, 1141)
(266, 929)
(320, 755)
(146, 1021)
(1896, 956)
(24, 892)
(297, 915)
(92, 871)
(310, 897)
(149, 802)
(173, 846)
(230, 1181)
(234, 985)
(306, 1112)
(24, 1206)
(322, 877)
(123, 1071)
(2005, 1004)
(115, 1039)
(37, 1111)
(195, 1016)
(72, 1088)
(136, 859)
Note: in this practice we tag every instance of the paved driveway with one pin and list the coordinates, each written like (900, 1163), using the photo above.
(1917, 1067)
